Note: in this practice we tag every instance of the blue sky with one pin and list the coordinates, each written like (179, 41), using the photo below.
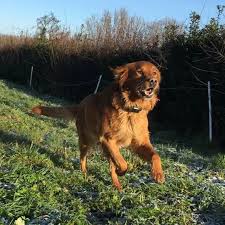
(17, 15)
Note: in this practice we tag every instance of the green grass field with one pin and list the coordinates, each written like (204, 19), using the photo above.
(41, 183)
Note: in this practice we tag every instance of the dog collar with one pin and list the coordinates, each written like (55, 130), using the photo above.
(134, 109)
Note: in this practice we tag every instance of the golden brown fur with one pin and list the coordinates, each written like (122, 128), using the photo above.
(117, 117)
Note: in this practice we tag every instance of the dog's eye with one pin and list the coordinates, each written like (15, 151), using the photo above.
(140, 73)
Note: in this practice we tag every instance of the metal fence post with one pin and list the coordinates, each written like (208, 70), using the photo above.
(31, 76)
(99, 80)
(210, 112)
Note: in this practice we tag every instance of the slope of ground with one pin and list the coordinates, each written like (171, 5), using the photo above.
(41, 183)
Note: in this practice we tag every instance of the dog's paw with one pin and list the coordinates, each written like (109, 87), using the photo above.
(157, 172)
(158, 176)
(120, 172)
(118, 186)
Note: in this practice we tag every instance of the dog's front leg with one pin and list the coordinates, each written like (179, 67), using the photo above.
(111, 147)
(112, 169)
(147, 152)
(114, 176)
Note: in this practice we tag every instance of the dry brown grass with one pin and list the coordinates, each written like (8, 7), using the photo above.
(107, 36)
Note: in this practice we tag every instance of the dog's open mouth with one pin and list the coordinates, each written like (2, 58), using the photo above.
(148, 93)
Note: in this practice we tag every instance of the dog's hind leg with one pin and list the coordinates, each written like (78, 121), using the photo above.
(83, 158)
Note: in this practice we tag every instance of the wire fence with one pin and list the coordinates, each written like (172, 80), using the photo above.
(98, 81)
(102, 81)
(78, 90)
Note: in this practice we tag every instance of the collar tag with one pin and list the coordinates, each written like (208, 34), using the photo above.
(135, 109)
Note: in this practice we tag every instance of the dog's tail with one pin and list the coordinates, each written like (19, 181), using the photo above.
(67, 112)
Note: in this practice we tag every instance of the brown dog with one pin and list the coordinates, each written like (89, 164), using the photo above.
(117, 117)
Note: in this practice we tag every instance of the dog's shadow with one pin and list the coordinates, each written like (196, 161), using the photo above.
(14, 138)
(11, 137)
(56, 157)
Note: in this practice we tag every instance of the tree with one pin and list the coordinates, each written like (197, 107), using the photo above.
(48, 27)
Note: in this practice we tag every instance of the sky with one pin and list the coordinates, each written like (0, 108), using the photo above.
(18, 15)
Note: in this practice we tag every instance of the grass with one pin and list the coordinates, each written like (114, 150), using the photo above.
(41, 183)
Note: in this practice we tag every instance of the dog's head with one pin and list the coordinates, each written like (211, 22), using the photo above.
(139, 80)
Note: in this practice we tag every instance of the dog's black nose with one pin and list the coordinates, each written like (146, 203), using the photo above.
(153, 82)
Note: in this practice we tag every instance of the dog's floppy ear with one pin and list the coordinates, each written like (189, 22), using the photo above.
(120, 74)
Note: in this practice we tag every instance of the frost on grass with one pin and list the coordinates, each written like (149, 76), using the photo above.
(42, 183)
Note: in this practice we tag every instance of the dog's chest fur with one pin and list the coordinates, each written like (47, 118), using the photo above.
(128, 126)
